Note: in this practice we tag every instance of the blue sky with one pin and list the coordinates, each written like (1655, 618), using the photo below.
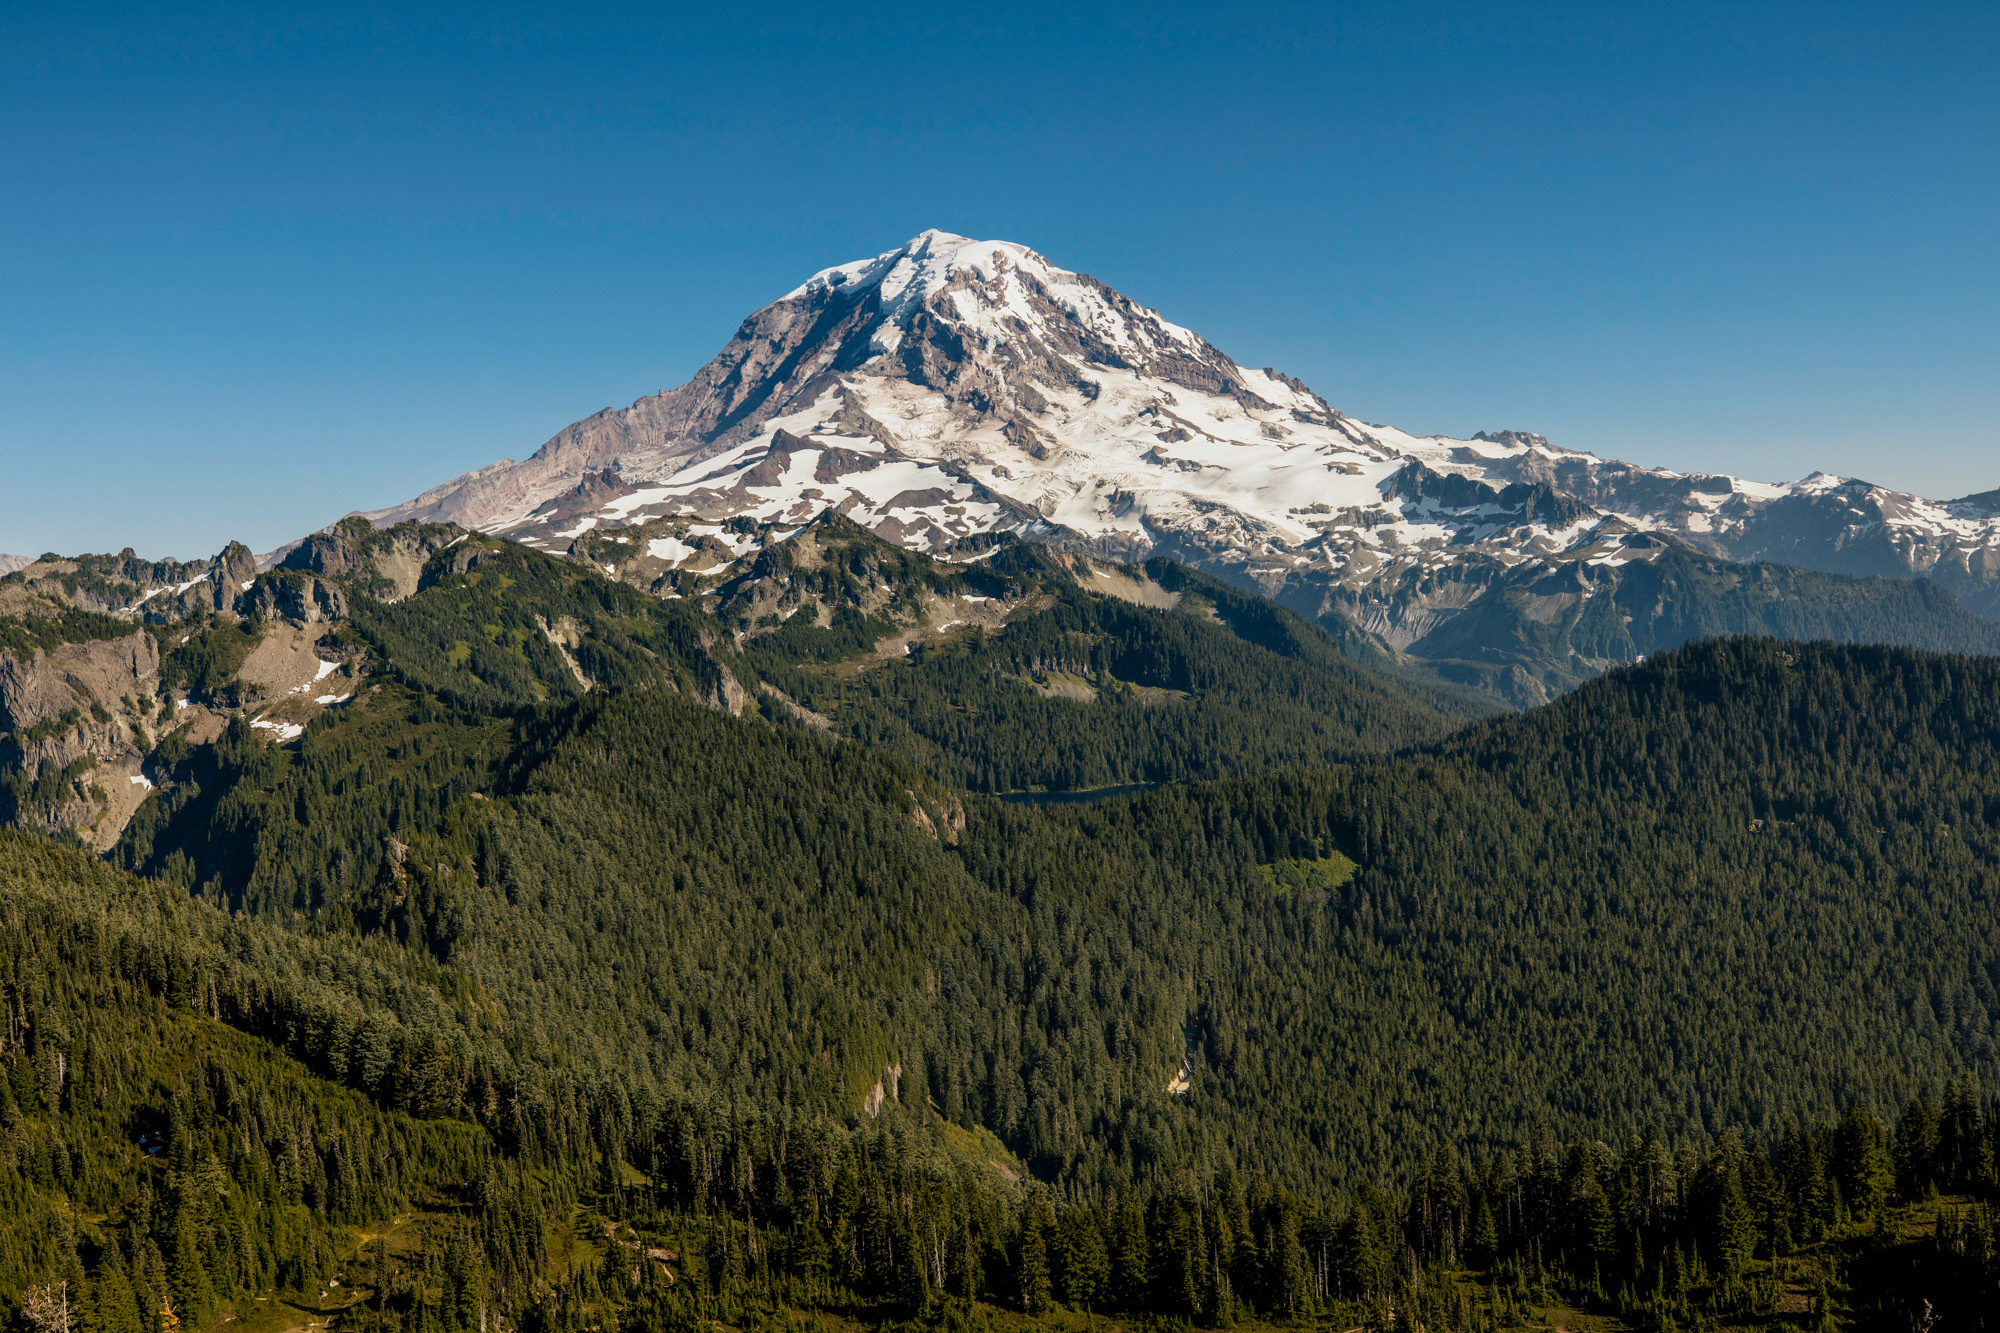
(259, 269)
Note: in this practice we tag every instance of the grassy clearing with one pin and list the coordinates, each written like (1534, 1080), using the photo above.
(1287, 878)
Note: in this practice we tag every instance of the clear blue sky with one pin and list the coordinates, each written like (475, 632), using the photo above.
(258, 270)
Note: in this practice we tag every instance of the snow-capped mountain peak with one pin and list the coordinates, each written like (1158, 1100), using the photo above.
(903, 280)
(952, 386)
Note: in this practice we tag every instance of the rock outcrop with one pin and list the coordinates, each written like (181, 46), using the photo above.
(80, 718)
(82, 697)
(388, 564)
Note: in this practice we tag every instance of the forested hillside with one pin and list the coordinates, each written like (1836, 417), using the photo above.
(1082, 688)
(1736, 886)
(179, 1139)
(1566, 910)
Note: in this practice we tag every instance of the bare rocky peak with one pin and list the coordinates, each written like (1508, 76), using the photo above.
(83, 701)
(1986, 504)
(1522, 438)
(388, 564)
(128, 585)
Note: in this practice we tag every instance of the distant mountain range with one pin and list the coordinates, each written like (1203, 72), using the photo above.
(953, 387)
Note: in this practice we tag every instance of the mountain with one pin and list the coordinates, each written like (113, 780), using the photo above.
(549, 781)
(600, 936)
(643, 908)
(102, 657)
(952, 387)
(1009, 667)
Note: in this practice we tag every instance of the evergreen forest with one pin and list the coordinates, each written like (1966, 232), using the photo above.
(618, 961)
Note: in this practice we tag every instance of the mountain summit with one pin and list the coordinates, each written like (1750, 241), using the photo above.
(947, 350)
(951, 387)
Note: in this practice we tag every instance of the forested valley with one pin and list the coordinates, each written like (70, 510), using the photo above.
(572, 975)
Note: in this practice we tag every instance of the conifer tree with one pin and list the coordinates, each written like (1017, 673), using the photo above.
(1915, 1151)
(1862, 1166)
(1131, 1257)
(1032, 1262)
(1083, 1265)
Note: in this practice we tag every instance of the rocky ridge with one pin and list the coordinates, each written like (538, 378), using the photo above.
(104, 657)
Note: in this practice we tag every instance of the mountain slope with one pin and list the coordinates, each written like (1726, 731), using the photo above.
(179, 1146)
(1536, 630)
(101, 657)
(829, 626)
(685, 969)
(1660, 898)
(196, 1109)
(952, 386)
(1032, 670)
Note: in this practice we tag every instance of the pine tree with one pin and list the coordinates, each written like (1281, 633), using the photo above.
(186, 1273)
(113, 1307)
(1286, 1281)
(1915, 1151)
(1355, 1246)
(1131, 1259)
(1482, 1232)
(1032, 1263)
(1862, 1166)
(1600, 1223)
(1235, 1242)
(459, 1270)
(1083, 1265)
(1958, 1142)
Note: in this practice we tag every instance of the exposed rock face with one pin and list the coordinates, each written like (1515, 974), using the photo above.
(1986, 504)
(78, 739)
(1522, 438)
(596, 490)
(304, 600)
(888, 1088)
(387, 564)
(952, 387)
(1853, 527)
(77, 719)
(124, 585)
